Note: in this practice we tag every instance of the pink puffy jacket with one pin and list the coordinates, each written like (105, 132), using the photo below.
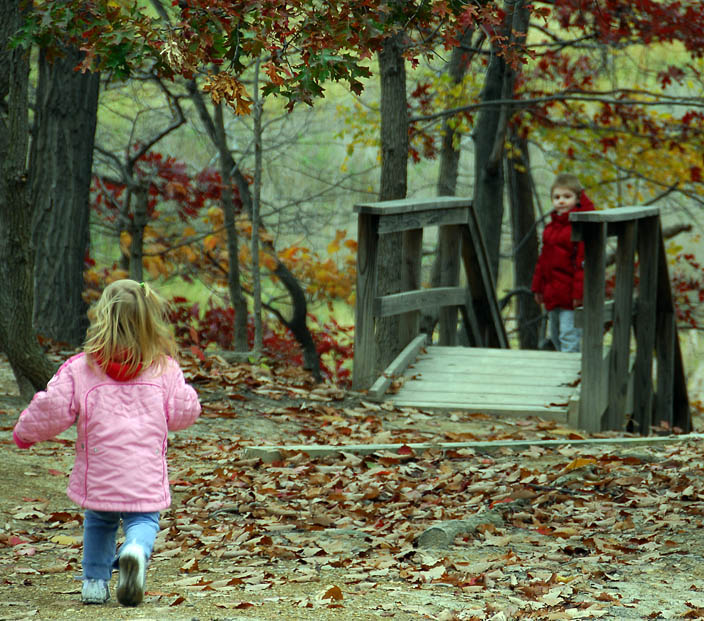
(122, 431)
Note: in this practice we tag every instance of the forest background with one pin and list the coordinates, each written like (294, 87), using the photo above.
(161, 140)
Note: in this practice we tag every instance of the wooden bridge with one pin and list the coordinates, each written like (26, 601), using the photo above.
(632, 377)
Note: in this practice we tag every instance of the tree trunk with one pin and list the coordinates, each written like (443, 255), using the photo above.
(296, 293)
(257, 112)
(136, 229)
(525, 242)
(449, 153)
(449, 169)
(394, 165)
(237, 299)
(17, 337)
(490, 134)
(60, 165)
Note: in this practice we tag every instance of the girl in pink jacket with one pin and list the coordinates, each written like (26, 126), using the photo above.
(125, 392)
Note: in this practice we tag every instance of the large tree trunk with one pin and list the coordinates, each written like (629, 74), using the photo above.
(490, 134)
(394, 166)
(17, 338)
(525, 242)
(60, 164)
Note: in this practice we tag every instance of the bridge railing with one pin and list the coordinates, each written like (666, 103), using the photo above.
(461, 246)
(651, 371)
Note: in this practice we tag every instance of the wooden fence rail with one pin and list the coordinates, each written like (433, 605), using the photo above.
(461, 243)
(647, 311)
(643, 345)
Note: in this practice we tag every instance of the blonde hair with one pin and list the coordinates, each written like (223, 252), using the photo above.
(569, 181)
(129, 323)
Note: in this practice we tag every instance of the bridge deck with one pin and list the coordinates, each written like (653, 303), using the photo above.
(497, 381)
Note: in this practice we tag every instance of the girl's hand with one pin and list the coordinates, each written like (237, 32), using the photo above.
(538, 298)
(19, 442)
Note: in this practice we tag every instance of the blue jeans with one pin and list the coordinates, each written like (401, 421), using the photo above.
(563, 333)
(100, 534)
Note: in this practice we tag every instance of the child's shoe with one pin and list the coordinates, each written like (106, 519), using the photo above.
(95, 592)
(133, 566)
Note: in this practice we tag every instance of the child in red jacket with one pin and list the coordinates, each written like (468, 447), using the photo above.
(559, 274)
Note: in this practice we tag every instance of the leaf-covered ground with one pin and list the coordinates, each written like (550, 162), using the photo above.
(606, 532)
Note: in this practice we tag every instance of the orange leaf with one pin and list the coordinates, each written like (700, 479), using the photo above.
(580, 462)
(334, 592)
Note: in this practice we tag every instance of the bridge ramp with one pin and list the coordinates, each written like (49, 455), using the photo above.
(496, 381)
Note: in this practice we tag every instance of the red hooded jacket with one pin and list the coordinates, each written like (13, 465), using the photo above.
(559, 273)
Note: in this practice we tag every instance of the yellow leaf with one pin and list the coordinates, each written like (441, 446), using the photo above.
(210, 242)
(65, 540)
(580, 462)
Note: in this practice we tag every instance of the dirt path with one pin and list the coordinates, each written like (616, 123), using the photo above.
(603, 533)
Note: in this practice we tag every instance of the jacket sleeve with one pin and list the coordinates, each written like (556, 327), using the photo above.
(182, 405)
(51, 411)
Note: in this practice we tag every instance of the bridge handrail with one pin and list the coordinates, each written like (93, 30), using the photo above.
(460, 245)
(608, 379)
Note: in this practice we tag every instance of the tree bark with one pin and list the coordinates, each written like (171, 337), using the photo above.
(490, 134)
(237, 299)
(393, 185)
(17, 338)
(525, 241)
(136, 230)
(61, 162)
(449, 168)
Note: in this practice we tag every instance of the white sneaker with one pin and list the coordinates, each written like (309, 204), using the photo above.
(95, 591)
(133, 566)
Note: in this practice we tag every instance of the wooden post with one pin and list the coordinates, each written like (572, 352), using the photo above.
(364, 372)
(619, 358)
(592, 392)
(449, 250)
(648, 250)
(410, 281)
(672, 402)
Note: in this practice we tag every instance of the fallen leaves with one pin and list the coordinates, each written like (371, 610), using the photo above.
(568, 524)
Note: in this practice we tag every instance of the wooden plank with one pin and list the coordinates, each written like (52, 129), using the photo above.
(558, 414)
(410, 279)
(621, 339)
(470, 321)
(466, 368)
(274, 452)
(363, 371)
(503, 354)
(397, 367)
(449, 238)
(481, 383)
(618, 214)
(648, 249)
(396, 223)
(665, 335)
(672, 405)
(397, 303)
(608, 314)
(408, 205)
(593, 392)
(489, 394)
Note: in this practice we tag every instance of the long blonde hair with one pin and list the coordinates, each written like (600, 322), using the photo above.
(129, 324)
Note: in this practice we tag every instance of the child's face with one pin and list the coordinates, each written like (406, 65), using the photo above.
(563, 199)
